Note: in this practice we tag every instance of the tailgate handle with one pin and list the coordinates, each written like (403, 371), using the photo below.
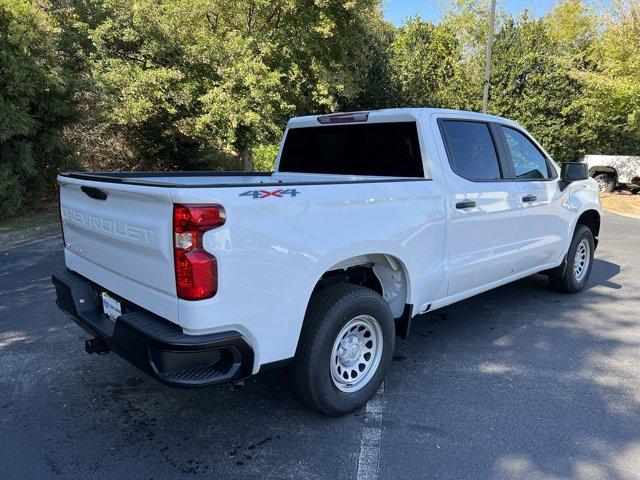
(94, 193)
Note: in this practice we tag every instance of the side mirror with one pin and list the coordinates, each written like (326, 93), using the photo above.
(572, 172)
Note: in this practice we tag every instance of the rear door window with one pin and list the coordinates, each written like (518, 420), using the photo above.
(375, 149)
(528, 161)
(471, 150)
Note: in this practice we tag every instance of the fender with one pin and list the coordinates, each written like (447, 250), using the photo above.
(579, 201)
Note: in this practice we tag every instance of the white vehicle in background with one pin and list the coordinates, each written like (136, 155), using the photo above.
(614, 171)
(370, 219)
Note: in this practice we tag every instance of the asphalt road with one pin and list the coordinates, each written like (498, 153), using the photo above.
(520, 382)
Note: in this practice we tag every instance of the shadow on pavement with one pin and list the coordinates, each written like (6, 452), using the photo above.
(520, 382)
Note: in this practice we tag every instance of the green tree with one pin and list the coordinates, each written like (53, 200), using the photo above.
(187, 81)
(612, 103)
(427, 65)
(35, 106)
(530, 84)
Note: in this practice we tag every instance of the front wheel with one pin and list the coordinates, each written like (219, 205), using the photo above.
(345, 348)
(579, 262)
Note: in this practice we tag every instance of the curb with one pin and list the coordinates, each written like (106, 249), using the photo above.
(28, 235)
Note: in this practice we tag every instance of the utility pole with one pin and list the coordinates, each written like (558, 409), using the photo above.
(487, 68)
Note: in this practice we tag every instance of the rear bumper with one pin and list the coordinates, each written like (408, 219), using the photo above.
(152, 344)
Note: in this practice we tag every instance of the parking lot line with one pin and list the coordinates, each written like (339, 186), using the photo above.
(369, 458)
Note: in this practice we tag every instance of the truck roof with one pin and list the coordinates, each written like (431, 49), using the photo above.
(395, 115)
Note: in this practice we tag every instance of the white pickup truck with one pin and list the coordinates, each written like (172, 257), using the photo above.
(614, 171)
(370, 219)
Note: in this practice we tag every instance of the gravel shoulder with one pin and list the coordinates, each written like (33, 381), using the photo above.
(623, 204)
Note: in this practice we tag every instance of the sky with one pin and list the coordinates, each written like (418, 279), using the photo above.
(398, 10)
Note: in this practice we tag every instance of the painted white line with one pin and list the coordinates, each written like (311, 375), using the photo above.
(369, 459)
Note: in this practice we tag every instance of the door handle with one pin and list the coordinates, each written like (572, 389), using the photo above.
(529, 198)
(465, 204)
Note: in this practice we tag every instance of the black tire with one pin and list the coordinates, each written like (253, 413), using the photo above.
(328, 312)
(568, 282)
(606, 183)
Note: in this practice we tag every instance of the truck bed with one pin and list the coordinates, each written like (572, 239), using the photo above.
(225, 179)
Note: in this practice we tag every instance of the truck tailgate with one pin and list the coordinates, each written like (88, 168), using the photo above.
(124, 230)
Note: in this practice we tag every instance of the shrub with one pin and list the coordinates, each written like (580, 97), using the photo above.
(35, 105)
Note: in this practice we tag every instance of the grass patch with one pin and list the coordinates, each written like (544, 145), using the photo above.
(626, 204)
(31, 219)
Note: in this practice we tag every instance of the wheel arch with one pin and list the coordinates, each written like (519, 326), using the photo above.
(589, 215)
(383, 272)
(591, 219)
(602, 169)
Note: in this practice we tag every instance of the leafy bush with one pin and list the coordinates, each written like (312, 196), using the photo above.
(187, 81)
(264, 157)
(35, 105)
(209, 84)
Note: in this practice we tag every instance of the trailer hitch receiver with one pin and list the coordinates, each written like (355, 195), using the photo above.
(96, 345)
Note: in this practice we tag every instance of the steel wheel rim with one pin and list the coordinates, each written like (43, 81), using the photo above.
(581, 260)
(356, 353)
(602, 184)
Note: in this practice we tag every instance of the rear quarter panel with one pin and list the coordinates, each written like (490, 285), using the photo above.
(272, 251)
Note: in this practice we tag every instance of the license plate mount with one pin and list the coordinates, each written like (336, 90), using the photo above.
(110, 306)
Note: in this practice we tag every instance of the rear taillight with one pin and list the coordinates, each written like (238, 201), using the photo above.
(196, 269)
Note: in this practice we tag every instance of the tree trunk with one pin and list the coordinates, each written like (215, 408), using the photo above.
(246, 154)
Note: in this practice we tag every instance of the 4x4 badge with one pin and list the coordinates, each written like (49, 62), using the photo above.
(292, 192)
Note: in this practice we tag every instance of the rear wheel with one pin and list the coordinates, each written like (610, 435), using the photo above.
(345, 348)
(605, 182)
(579, 262)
